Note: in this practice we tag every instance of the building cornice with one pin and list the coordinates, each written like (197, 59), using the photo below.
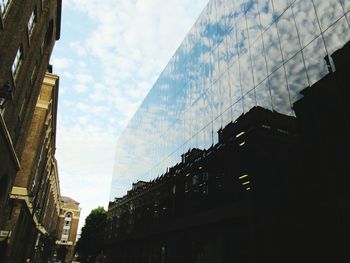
(21, 193)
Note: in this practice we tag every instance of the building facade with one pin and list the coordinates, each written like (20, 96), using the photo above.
(67, 229)
(35, 196)
(27, 35)
(28, 31)
(237, 55)
(272, 189)
(265, 188)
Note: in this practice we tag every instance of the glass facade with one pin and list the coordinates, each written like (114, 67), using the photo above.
(239, 53)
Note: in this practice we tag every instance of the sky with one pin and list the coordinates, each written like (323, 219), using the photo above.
(108, 58)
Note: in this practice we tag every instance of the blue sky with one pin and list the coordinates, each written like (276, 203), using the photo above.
(108, 58)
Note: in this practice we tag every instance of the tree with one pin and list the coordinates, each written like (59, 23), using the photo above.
(90, 243)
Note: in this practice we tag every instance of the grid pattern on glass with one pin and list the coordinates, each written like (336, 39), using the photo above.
(238, 54)
(3, 5)
(17, 61)
(32, 21)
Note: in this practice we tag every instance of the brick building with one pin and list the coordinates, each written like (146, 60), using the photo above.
(35, 197)
(67, 229)
(28, 31)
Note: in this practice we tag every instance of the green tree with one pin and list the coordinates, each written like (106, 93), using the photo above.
(90, 243)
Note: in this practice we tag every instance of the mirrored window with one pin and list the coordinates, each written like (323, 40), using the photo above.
(253, 20)
(258, 61)
(232, 47)
(314, 55)
(273, 50)
(237, 110)
(215, 99)
(266, 13)
(296, 76)
(235, 82)
(306, 21)
(279, 6)
(279, 92)
(345, 4)
(288, 35)
(263, 96)
(337, 36)
(225, 91)
(328, 12)
(242, 36)
(246, 73)
(249, 100)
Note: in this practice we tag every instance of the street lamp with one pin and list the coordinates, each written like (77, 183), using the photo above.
(5, 95)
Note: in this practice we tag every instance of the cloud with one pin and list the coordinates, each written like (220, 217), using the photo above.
(62, 63)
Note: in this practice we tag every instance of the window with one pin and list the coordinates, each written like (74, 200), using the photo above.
(3, 5)
(32, 21)
(66, 227)
(17, 61)
(195, 180)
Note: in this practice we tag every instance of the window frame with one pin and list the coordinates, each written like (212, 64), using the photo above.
(4, 7)
(17, 62)
(32, 21)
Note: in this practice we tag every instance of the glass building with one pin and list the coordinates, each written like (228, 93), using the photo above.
(239, 53)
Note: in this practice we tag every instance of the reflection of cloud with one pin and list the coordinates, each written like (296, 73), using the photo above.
(224, 56)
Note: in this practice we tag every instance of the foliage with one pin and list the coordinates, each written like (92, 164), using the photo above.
(90, 243)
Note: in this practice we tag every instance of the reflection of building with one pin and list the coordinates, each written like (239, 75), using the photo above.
(67, 229)
(28, 32)
(238, 55)
(274, 185)
(214, 197)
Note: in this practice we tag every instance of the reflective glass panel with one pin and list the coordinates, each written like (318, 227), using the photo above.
(225, 91)
(266, 13)
(249, 100)
(279, 92)
(258, 61)
(253, 21)
(237, 110)
(345, 4)
(273, 50)
(314, 55)
(242, 36)
(260, 48)
(235, 82)
(328, 12)
(296, 76)
(262, 94)
(232, 47)
(337, 36)
(288, 35)
(279, 6)
(246, 73)
(215, 99)
(306, 21)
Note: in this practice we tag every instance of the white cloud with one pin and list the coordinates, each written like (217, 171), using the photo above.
(62, 63)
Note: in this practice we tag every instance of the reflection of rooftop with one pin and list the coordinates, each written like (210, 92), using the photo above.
(257, 118)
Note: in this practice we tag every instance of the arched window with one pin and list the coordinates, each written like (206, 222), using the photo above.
(66, 227)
